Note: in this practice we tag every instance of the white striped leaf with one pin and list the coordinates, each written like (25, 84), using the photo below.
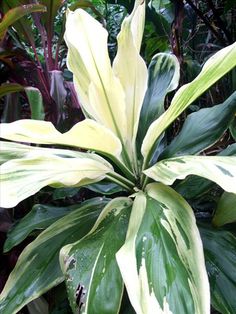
(92, 275)
(221, 170)
(11, 150)
(226, 210)
(38, 268)
(158, 259)
(130, 67)
(215, 68)
(99, 91)
(21, 178)
(87, 134)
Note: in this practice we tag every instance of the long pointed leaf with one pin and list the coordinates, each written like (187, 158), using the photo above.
(202, 129)
(90, 266)
(130, 67)
(38, 268)
(21, 178)
(226, 210)
(215, 68)
(100, 92)
(86, 134)
(163, 77)
(221, 170)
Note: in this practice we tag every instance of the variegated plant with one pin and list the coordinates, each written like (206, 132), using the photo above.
(146, 241)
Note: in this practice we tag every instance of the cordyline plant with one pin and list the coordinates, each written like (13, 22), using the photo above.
(146, 240)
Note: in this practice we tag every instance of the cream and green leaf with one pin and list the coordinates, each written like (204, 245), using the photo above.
(146, 240)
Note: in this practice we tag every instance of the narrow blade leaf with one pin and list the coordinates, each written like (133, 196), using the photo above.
(202, 129)
(215, 68)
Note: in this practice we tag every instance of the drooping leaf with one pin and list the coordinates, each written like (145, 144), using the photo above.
(11, 150)
(163, 77)
(158, 259)
(130, 67)
(98, 88)
(86, 134)
(40, 217)
(92, 274)
(21, 178)
(16, 13)
(38, 268)
(220, 254)
(194, 186)
(221, 170)
(215, 68)
(202, 129)
(36, 103)
(226, 210)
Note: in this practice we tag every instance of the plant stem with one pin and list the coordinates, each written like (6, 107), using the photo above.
(116, 178)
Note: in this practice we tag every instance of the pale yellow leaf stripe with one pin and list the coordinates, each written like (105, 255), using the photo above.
(21, 178)
(100, 92)
(130, 67)
(221, 170)
(215, 68)
(87, 134)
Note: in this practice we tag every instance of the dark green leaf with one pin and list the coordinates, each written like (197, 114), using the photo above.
(105, 188)
(220, 256)
(38, 269)
(202, 129)
(40, 217)
(90, 266)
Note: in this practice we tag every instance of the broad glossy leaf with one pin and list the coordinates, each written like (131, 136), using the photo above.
(202, 129)
(158, 259)
(226, 210)
(21, 178)
(221, 170)
(16, 13)
(220, 254)
(130, 67)
(36, 103)
(163, 77)
(38, 268)
(40, 217)
(215, 68)
(98, 88)
(86, 134)
(92, 274)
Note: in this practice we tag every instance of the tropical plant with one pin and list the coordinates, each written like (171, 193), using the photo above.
(145, 237)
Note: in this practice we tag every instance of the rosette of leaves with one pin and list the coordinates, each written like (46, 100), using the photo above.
(146, 240)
